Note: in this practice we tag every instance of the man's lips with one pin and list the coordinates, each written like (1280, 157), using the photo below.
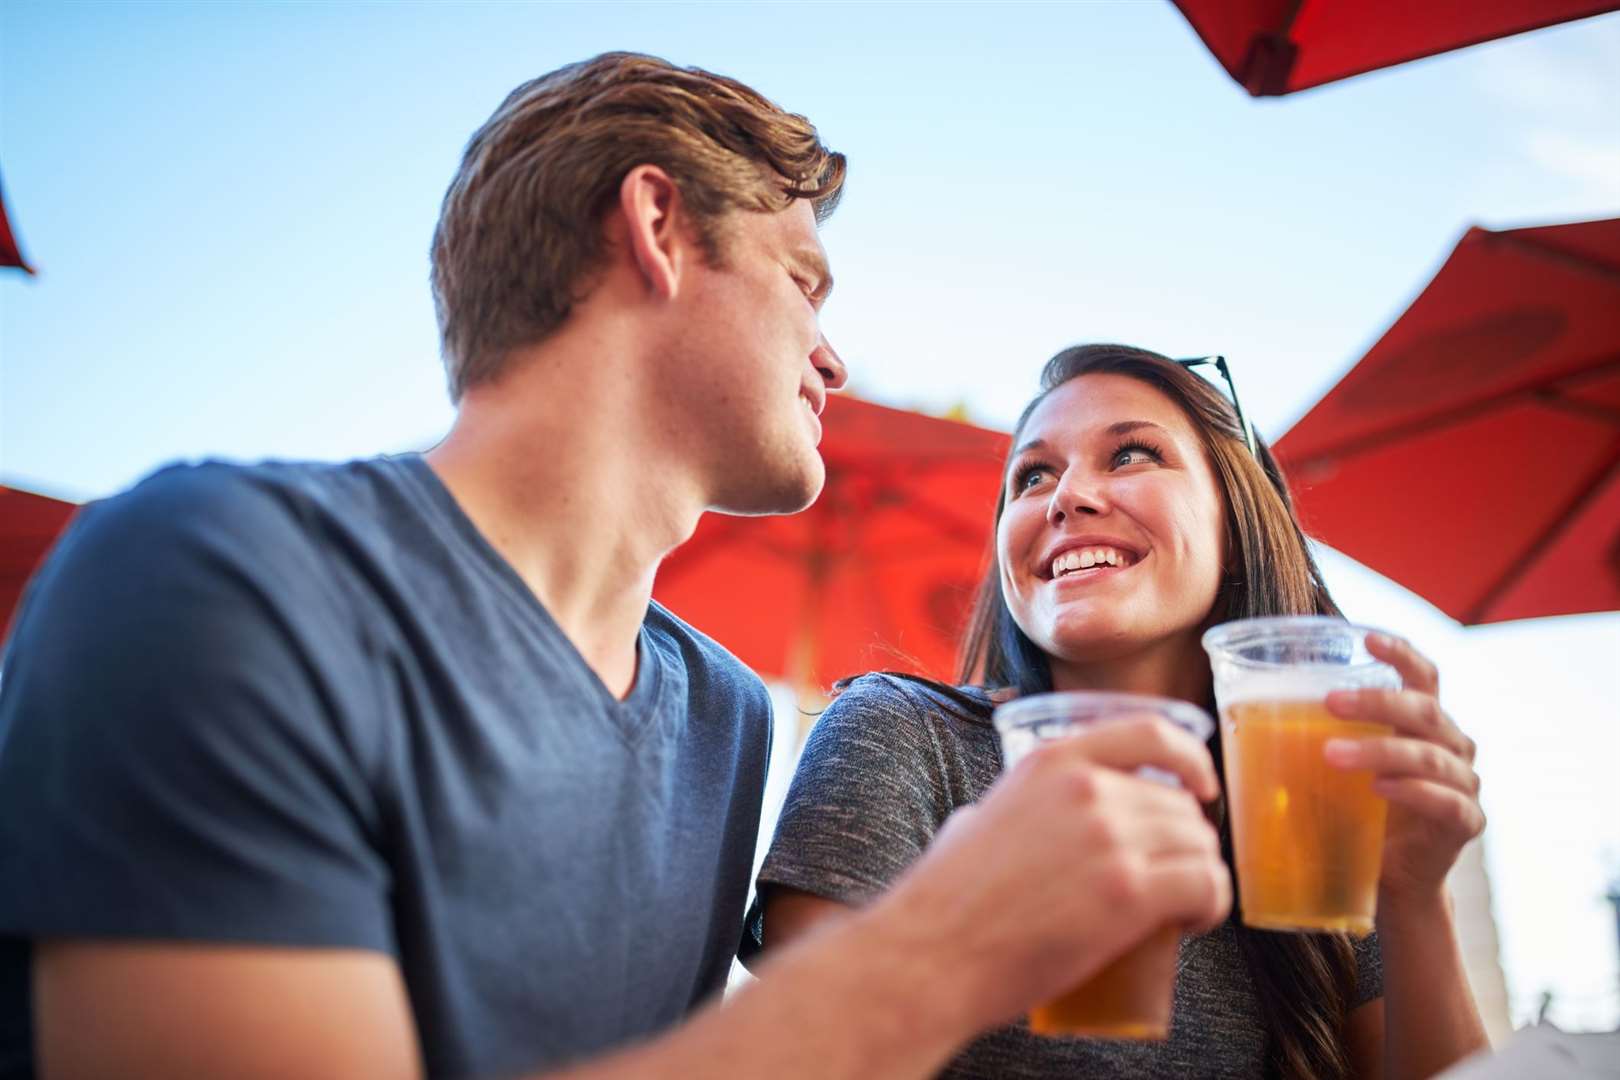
(813, 414)
(814, 397)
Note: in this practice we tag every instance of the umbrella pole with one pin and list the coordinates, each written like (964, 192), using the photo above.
(809, 696)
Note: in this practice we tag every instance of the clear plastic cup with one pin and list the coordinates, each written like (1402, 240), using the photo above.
(1307, 837)
(1131, 997)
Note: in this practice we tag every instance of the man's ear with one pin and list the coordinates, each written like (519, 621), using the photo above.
(654, 228)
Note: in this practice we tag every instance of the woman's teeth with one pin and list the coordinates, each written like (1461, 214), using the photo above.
(1086, 558)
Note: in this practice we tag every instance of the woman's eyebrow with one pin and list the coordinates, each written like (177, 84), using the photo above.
(1033, 444)
(1125, 427)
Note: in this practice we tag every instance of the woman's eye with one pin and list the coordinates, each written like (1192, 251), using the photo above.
(1027, 478)
(1134, 454)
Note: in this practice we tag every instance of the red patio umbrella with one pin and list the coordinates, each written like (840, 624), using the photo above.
(1473, 455)
(1275, 47)
(10, 255)
(29, 524)
(879, 573)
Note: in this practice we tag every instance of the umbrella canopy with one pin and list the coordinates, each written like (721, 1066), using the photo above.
(10, 255)
(1275, 47)
(1473, 455)
(879, 573)
(29, 524)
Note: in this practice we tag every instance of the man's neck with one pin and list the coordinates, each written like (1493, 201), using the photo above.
(557, 466)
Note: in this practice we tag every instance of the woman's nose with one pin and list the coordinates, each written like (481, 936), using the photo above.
(1075, 495)
(829, 364)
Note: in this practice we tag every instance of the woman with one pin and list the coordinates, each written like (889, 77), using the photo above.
(1145, 470)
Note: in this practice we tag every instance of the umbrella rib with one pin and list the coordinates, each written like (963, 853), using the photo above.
(1566, 517)
(1538, 391)
(1559, 255)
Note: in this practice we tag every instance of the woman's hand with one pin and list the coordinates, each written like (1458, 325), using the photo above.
(1425, 768)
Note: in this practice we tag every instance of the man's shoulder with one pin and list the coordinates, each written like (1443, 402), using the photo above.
(236, 510)
(702, 654)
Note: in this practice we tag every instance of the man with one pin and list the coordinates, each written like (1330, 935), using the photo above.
(393, 768)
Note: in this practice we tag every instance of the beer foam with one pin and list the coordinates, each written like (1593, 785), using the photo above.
(1300, 684)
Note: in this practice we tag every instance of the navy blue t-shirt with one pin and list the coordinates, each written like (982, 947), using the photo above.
(309, 705)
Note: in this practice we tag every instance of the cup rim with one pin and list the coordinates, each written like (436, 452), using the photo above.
(1227, 636)
(1054, 704)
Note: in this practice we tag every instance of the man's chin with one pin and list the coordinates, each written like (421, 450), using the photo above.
(783, 492)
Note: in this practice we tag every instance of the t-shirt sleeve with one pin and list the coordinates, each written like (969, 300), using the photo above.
(179, 757)
(865, 801)
(1369, 970)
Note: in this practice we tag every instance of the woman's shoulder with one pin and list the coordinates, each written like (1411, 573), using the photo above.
(916, 700)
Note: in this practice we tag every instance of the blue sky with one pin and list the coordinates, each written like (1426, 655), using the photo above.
(230, 206)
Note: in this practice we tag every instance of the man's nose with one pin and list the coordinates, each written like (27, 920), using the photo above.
(829, 364)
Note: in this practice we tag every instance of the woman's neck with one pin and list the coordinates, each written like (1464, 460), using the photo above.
(1176, 669)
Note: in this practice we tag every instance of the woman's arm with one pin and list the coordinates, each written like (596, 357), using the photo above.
(1430, 1020)
(790, 914)
(1427, 1020)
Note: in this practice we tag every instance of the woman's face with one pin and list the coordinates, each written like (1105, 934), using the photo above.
(1113, 534)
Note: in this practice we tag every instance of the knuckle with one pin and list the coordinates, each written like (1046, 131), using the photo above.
(1106, 834)
(1433, 716)
(1121, 884)
(1081, 784)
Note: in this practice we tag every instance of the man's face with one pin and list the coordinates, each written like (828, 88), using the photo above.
(750, 367)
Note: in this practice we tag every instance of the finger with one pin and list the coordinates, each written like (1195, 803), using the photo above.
(1445, 806)
(1417, 671)
(1395, 758)
(1151, 820)
(1129, 745)
(1411, 712)
(1191, 890)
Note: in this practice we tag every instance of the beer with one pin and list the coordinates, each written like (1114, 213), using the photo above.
(1128, 999)
(1131, 997)
(1308, 837)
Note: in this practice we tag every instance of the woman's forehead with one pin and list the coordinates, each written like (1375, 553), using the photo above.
(1095, 403)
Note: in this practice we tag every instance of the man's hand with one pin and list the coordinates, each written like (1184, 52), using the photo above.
(1068, 861)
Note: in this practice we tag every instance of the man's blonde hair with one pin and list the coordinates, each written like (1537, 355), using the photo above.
(520, 233)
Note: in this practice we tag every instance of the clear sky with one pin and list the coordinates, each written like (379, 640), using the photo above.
(230, 206)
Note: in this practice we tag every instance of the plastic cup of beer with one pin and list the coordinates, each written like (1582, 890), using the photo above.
(1307, 836)
(1131, 997)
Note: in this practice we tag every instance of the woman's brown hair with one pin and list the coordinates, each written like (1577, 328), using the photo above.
(1304, 983)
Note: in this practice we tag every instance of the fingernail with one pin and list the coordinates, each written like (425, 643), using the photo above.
(1343, 702)
(1341, 751)
(1380, 641)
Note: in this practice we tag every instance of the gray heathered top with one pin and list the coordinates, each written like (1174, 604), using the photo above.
(885, 765)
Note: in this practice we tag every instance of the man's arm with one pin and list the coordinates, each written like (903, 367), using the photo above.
(986, 924)
(147, 1011)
